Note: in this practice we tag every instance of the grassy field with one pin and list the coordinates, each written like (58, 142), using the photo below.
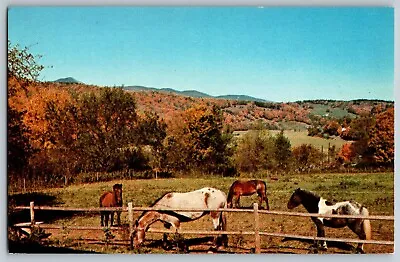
(375, 191)
(325, 110)
(298, 138)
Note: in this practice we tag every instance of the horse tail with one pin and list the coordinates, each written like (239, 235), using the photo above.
(230, 195)
(265, 186)
(366, 224)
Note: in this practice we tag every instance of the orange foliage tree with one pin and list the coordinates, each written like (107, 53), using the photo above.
(381, 138)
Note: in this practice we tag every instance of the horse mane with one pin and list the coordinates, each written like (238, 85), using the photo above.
(308, 193)
(309, 200)
(152, 205)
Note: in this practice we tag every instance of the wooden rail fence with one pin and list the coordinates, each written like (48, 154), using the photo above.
(256, 212)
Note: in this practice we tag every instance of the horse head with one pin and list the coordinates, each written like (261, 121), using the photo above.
(295, 199)
(117, 189)
(137, 236)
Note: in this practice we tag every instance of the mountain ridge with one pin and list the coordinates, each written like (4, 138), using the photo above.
(193, 93)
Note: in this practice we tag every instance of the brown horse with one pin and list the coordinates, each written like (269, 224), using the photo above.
(246, 188)
(111, 199)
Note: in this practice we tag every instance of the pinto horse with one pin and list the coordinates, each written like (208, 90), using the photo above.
(205, 198)
(316, 204)
(246, 188)
(111, 199)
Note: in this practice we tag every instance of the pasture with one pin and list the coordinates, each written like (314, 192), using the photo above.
(298, 138)
(374, 190)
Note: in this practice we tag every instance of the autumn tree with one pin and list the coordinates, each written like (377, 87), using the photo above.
(347, 153)
(22, 67)
(380, 145)
(18, 147)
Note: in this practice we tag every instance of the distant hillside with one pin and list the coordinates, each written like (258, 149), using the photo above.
(67, 80)
(241, 98)
(193, 93)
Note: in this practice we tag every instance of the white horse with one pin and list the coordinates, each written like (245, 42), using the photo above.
(205, 198)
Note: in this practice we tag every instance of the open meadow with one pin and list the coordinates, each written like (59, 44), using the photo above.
(298, 138)
(374, 190)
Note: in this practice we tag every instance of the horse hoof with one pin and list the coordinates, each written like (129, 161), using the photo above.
(360, 251)
(220, 248)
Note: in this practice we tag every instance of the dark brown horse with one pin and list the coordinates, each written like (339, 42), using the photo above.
(313, 203)
(111, 199)
(246, 188)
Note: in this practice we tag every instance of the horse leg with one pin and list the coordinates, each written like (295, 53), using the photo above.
(106, 218)
(111, 219)
(219, 223)
(266, 202)
(320, 233)
(237, 203)
(260, 200)
(119, 218)
(169, 221)
(102, 218)
(357, 227)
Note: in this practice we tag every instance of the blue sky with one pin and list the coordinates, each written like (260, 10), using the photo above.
(279, 54)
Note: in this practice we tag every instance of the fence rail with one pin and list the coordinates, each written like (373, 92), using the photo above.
(257, 233)
(125, 209)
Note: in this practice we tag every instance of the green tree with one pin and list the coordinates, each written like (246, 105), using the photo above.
(254, 151)
(107, 126)
(100, 128)
(153, 131)
(282, 152)
(307, 157)
(22, 64)
(198, 141)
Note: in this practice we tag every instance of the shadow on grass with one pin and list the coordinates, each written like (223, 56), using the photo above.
(194, 245)
(339, 245)
(40, 199)
(35, 248)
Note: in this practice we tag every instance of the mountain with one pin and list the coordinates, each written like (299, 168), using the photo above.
(193, 93)
(68, 80)
(241, 98)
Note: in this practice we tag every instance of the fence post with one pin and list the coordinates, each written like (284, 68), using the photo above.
(130, 217)
(31, 206)
(256, 229)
